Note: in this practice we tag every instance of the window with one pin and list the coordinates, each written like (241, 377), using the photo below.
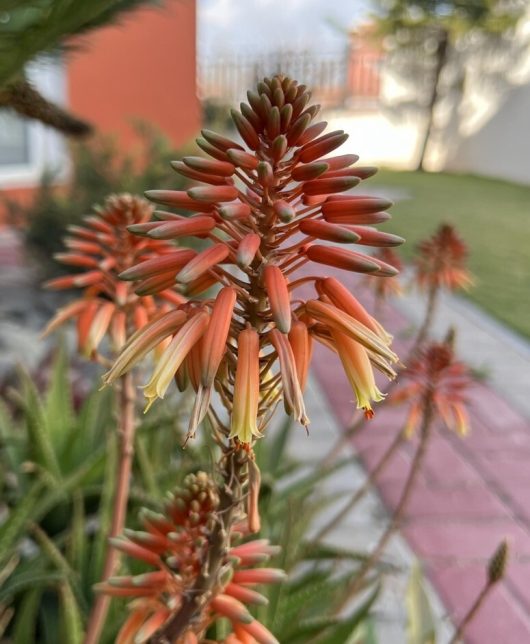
(14, 139)
(28, 148)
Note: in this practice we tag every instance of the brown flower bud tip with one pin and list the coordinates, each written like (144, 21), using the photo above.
(247, 249)
(188, 227)
(329, 232)
(358, 218)
(342, 258)
(212, 194)
(327, 186)
(309, 171)
(337, 204)
(243, 159)
(297, 129)
(143, 229)
(202, 263)
(251, 116)
(364, 172)
(211, 150)
(340, 162)
(220, 142)
(265, 174)
(312, 132)
(498, 562)
(176, 199)
(248, 133)
(157, 265)
(234, 211)
(373, 237)
(286, 114)
(279, 147)
(195, 175)
(273, 123)
(246, 595)
(284, 211)
(209, 167)
(325, 144)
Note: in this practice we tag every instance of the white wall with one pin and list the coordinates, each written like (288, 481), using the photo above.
(484, 131)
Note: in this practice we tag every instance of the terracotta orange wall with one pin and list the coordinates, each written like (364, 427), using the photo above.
(144, 68)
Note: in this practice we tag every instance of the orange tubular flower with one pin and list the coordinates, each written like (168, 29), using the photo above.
(105, 246)
(246, 388)
(441, 262)
(434, 372)
(173, 545)
(264, 204)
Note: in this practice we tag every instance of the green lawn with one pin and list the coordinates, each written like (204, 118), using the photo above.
(494, 219)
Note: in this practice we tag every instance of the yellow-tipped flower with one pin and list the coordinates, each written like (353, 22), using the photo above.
(356, 363)
(265, 204)
(246, 388)
(186, 337)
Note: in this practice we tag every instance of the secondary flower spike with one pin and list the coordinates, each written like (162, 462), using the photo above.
(173, 544)
(434, 371)
(106, 250)
(274, 210)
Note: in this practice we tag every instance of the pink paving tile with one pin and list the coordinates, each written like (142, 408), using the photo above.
(467, 540)
(495, 412)
(501, 619)
(397, 469)
(444, 466)
(518, 580)
(463, 503)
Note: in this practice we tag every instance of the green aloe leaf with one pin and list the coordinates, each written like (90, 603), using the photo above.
(42, 449)
(57, 408)
(344, 632)
(421, 628)
(71, 620)
(57, 558)
(29, 580)
(15, 525)
(25, 624)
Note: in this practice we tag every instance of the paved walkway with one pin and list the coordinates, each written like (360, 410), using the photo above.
(362, 526)
(472, 492)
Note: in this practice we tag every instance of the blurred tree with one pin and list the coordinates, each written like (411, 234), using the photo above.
(434, 29)
(29, 28)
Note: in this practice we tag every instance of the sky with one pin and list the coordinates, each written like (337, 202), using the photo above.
(241, 26)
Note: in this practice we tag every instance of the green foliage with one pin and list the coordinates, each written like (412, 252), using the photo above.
(420, 627)
(457, 17)
(313, 605)
(29, 27)
(99, 169)
(472, 204)
(57, 466)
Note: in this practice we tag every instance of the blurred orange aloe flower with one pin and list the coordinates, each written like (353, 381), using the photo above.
(442, 261)
(435, 374)
(268, 207)
(104, 247)
(173, 546)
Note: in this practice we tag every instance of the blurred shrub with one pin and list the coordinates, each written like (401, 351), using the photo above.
(216, 115)
(58, 457)
(99, 168)
(57, 465)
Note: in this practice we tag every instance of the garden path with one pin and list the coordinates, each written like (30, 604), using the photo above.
(472, 492)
